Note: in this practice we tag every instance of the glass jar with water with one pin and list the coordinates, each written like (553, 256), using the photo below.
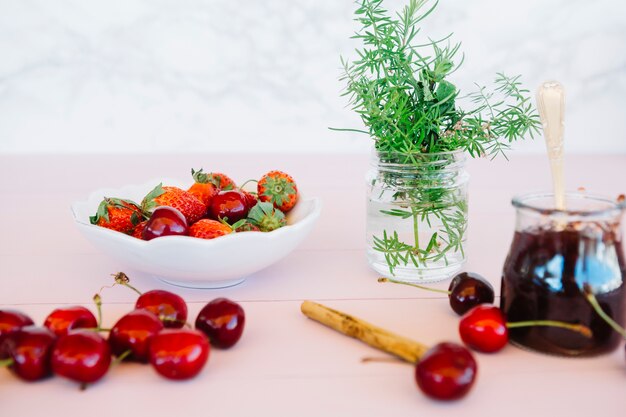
(417, 214)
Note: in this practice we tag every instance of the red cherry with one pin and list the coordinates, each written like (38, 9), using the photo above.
(170, 308)
(62, 320)
(230, 205)
(468, 290)
(179, 354)
(133, 332)
(446, 371)
(250, 198)
(165, 221)
(484, 329)
(82, 356)
(30, 348)
(10, 322)
(222, 320)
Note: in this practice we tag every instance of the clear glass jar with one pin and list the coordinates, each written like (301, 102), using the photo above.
(554, 253)
(417, 215)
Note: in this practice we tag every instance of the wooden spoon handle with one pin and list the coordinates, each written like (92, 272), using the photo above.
(551, 106)
(405, 349)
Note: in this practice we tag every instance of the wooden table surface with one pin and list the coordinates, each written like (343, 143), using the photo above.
(286, 364)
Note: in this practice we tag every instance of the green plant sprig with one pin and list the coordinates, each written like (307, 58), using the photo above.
(401, 92)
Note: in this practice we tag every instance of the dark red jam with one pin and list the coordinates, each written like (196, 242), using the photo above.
(543, 278)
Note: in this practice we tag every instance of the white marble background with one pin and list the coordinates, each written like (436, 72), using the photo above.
(261, 76)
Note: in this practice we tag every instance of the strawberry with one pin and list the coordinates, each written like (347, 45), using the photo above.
(117, 214)
(209, 229)
(192, 208)
(138, 230)
(245, 227)
(266, 217)
(279, 189)
(219, 180)
(204, 191)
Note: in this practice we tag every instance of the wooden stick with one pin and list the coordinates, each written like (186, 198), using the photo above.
(405, 349)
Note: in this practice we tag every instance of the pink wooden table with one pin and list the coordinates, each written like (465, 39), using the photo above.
(286, 364)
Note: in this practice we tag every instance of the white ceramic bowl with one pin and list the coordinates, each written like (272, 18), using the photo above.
(192, 262)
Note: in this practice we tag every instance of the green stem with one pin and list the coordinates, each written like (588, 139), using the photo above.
(120, 358)
(410, 284)
(596, 306)
(122, 279)
(245, 183)
(98, 302)
(6, 362)
(583, 330)
(416, 231)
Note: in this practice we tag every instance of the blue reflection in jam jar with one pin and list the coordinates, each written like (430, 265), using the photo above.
(553, 254)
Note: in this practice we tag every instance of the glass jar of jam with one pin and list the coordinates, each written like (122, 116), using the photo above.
(554, 253)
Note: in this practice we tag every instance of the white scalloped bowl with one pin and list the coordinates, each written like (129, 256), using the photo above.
(191, 262)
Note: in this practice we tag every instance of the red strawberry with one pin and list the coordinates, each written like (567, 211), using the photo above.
(209, 229)
(117, 214)
(138, 230)
(219, 180)
(266, 217)
(192, 208)
(279, 189)
(204, 191)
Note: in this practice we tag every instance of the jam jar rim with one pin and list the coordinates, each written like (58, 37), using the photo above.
(524, 201)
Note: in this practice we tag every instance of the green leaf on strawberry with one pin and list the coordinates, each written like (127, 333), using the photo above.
(278, 190)
(266, 217)
(148, 204)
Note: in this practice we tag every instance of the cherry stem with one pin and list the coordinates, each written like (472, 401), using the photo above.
(369, 359)
(120, 358)
(122, 279)
(410, 284)
(583, 330)
(596, 306)
(6, 362)
(98, 301)
(245, 183)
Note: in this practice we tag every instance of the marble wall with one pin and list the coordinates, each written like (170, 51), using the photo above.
(262, 76)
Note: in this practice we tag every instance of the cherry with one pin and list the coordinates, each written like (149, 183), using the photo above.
(165, 221)
(222, 320)
(468, 290)
(446, 371)
(251, 199)
(29, 349)
(10, 322)
(231, 205)
(133, 332)
(82, 356)
(170, 308)
(484, 328)
(179, 354)
(62, 320)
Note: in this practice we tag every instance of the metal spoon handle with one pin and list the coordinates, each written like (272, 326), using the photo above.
(551, 105)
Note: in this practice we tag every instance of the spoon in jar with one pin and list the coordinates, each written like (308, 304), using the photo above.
(551, 105)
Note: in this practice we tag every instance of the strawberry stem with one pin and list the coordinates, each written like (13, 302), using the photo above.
(410, 284)
(579, 328)
(4, 363)
(598, 309)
